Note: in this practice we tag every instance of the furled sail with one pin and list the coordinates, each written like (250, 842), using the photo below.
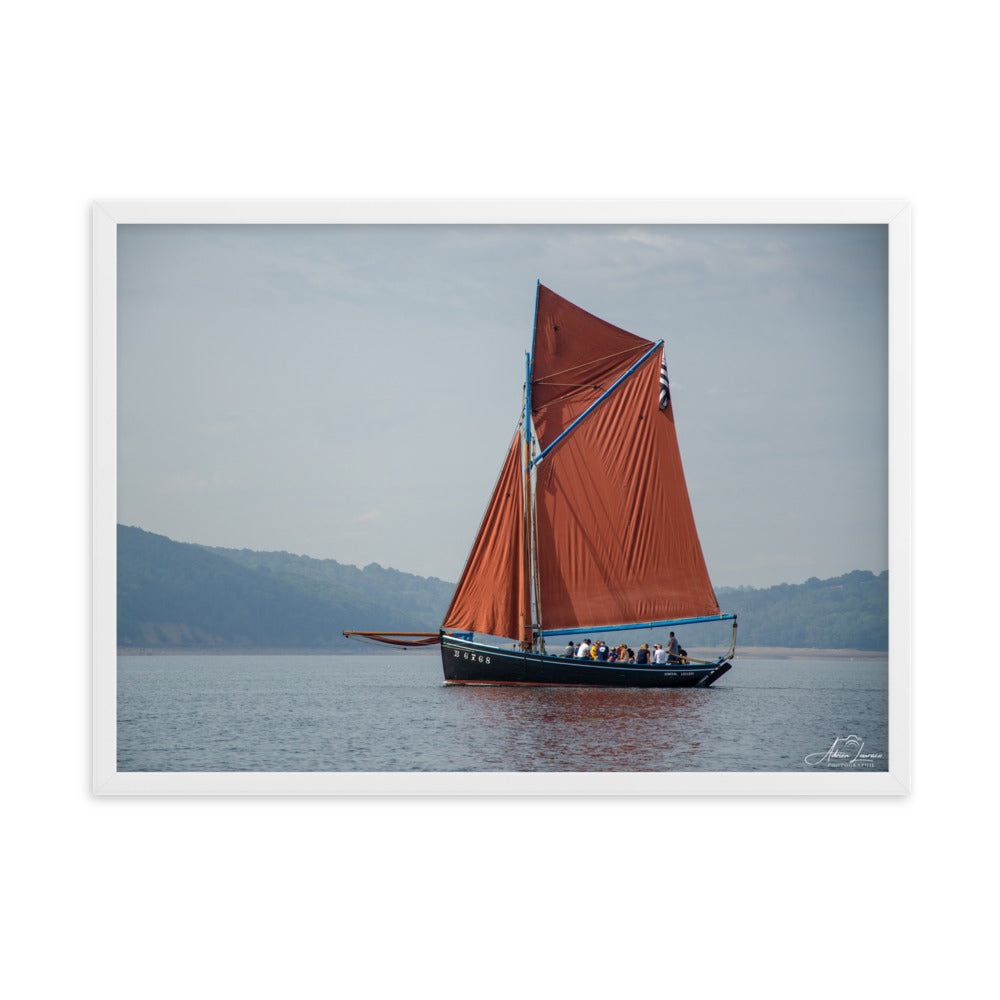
(616, 539)
(404, 639)
(490, 596)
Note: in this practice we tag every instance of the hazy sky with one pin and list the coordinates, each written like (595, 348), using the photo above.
(349, 392)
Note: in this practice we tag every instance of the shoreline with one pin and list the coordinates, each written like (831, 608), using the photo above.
(805, 653)
(744, 652)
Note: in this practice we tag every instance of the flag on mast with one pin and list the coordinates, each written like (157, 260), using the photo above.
(664, 382)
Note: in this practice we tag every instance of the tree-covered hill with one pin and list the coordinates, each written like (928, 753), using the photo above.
(845, 612)
(406, 594)
(173, 595)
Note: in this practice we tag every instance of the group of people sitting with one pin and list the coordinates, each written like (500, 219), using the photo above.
(645, 656)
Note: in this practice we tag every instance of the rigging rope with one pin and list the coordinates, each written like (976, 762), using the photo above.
(588, 364)
(578, 386)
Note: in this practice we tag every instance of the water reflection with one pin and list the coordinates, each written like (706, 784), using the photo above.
(584, 729)
(218, 713)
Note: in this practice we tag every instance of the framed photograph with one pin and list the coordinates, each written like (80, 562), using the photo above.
(512, 498)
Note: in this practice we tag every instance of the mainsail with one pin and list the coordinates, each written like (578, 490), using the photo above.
(608, 526)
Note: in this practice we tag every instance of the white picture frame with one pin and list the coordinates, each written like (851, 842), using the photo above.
(109, 215)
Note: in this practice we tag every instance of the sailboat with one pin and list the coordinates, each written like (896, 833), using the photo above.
(589, 529)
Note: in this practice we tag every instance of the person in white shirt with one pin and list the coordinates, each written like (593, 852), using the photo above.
(583, 650)
(659, 654)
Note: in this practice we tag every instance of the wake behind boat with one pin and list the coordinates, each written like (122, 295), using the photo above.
(589, 529)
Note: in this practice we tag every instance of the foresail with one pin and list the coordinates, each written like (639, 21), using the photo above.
(616, 539)
(490, 596)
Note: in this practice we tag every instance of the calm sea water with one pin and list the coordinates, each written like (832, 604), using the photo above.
(394, 713)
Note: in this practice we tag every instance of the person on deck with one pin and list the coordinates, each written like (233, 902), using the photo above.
(673, 650)
(583, 650)
(570, 650)
(659, 655)
(642, 657)
(602, 650)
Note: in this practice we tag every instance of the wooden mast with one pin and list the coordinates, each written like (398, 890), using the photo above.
(527, 553)
(527, 632)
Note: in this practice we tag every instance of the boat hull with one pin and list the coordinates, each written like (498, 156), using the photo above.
(468, 662)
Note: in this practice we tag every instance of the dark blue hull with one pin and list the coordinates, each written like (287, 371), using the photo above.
(476, 663)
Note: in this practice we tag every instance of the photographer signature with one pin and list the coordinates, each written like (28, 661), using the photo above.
(846, 751)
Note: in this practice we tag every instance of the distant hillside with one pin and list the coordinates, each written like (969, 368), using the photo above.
(173, 595)
(846, 612)
(406, 595)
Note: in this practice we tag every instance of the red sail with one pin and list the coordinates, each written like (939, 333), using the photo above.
(616, 539)
(490, 597)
